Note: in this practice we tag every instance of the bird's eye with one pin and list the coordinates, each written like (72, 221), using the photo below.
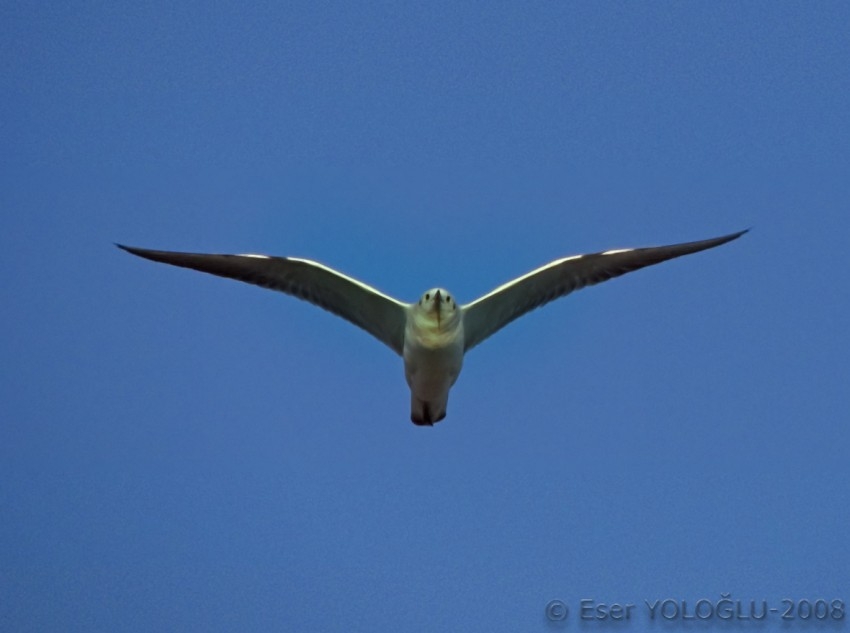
(448, 299)
(427, 296)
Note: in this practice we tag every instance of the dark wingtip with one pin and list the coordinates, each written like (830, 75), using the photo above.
(732, 236)
(737, 234)
(139, 252)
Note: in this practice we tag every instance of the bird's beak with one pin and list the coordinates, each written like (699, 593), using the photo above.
(438, 299)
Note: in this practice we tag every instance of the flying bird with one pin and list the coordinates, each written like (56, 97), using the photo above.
(433, 334)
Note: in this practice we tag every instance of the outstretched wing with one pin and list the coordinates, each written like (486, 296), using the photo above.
(495, 310)
(380, 315)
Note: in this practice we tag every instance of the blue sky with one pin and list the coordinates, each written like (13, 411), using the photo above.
(181, 452)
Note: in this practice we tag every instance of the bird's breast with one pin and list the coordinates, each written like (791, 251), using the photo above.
(432, 357)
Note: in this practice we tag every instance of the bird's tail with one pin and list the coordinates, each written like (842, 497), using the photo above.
(426, 413)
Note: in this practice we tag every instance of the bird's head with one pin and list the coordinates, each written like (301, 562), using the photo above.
(437, 308)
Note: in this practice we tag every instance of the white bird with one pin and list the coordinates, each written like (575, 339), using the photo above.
(433, 334)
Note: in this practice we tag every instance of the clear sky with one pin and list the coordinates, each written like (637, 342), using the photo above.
(180, 452)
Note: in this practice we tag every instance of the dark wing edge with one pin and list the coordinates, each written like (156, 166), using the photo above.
(493, 311)
(380, 315)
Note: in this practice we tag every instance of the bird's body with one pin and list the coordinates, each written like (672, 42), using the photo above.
(433, 354)
(433, 334)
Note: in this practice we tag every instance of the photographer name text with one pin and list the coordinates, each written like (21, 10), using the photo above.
(723, 608)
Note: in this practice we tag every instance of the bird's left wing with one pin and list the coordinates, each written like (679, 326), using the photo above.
(495, 310)
(380, 315)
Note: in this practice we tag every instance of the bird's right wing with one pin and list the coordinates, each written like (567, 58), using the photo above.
(380, 315)
(495, 310)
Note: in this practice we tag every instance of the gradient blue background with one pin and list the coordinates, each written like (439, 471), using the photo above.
(180, 452)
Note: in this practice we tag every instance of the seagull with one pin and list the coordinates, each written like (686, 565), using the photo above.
(433, 334)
